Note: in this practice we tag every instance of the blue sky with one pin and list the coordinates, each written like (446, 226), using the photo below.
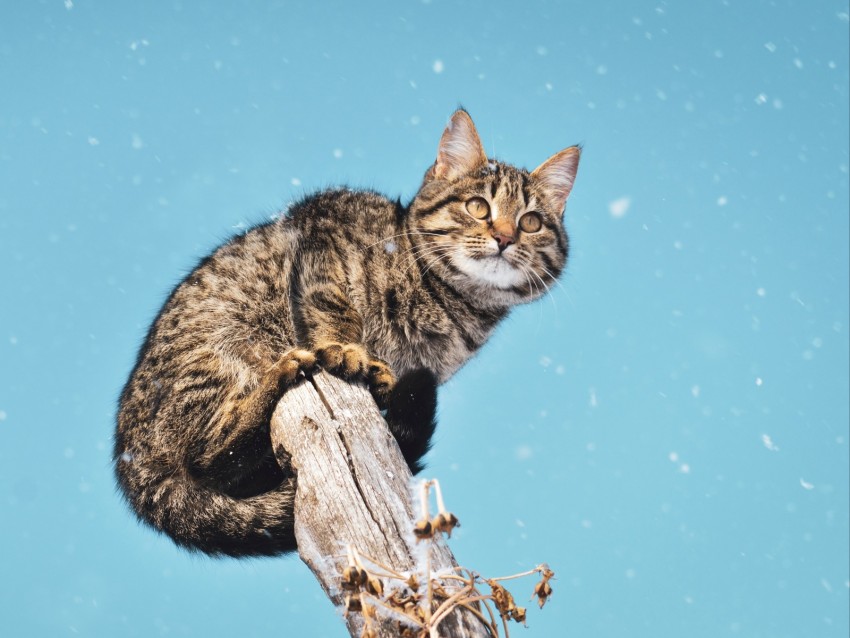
(668, 430)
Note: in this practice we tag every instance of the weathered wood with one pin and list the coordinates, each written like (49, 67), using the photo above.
(353, 488)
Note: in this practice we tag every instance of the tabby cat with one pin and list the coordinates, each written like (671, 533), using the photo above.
(345, 280)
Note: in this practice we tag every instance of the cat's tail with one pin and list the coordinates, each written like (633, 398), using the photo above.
(198, 517)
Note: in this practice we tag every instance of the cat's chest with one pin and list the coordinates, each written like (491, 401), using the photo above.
(414, 328)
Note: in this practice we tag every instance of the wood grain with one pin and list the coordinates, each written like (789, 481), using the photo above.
(353, 488)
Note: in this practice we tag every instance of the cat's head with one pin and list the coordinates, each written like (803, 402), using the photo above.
(490, 229)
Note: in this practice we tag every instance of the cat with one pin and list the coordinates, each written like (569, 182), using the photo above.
(348, 281)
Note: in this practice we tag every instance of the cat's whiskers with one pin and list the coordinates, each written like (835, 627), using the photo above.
(546, 292)
(527, 271)
(532, 288)
(554, 280)
(422, 251)
(529, 267)
(431, 264)
(406, 233)
(420, 254)
(419, 251)
(388, 238)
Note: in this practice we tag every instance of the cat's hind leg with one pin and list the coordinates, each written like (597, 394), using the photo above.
(235, 450)
(411, 415)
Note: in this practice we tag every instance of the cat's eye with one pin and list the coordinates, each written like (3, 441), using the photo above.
(530, 222)
(478, 207)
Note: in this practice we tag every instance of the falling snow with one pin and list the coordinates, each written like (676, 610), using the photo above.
(733, 145)
(619, 207)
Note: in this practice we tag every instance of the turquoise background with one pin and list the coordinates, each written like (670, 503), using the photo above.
(669, 429)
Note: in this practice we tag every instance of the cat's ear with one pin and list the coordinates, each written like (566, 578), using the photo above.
(557, 174)
(460, 149)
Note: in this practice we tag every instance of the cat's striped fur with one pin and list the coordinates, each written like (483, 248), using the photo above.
(347, 280)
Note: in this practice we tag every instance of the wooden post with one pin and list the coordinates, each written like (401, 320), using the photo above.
(353, 489)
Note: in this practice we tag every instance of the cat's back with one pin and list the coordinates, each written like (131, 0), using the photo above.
(246, 282)
(344, 211)
(249, 267)
(232, 308)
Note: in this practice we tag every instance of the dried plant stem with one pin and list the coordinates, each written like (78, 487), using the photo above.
(530, 572)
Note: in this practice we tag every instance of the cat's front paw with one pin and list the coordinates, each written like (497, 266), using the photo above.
(351, 361)
(381, 381)
(291, 365)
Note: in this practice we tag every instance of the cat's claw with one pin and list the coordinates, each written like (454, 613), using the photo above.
(351, 361)
(292, 364)
(381, 381)
(345, 360)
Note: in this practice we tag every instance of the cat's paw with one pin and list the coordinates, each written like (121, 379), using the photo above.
(381, 381)
(291, 365)
(351, 361)
(346, 360)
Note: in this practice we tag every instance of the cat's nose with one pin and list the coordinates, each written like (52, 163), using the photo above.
(503, 231)
(503, 240)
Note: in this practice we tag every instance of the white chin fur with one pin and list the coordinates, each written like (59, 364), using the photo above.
(495, 271)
